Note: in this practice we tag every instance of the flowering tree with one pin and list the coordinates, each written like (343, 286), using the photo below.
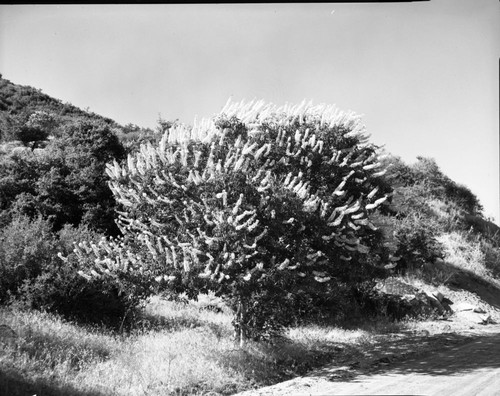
(257, 199)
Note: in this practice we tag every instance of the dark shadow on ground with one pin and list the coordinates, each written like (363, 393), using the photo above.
(151, 322)
(444, 354)
(13, 383)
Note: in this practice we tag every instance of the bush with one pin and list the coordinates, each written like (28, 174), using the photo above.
(255, 204)
(416, 243)
(62, 290)
(399, 174)
(33, 276)
(26, 249)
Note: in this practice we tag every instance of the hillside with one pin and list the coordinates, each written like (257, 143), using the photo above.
(25, 105)
(88, 284)
(18, 102)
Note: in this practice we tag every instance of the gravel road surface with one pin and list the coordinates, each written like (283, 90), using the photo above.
(468, 368)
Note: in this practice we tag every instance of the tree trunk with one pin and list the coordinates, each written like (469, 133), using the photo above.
(240, 333)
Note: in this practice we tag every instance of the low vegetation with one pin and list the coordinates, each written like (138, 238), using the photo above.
(175, 348)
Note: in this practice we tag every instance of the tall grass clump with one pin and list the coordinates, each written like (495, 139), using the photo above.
(473, 252)
(48, 353)
(463, 253)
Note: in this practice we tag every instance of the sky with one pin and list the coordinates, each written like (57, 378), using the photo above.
(424, 74)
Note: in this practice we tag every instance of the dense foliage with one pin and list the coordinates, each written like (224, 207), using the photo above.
(65, 182)
(253, 206)
(33, 276)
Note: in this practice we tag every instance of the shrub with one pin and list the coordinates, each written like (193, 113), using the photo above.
(60, 289)
(63, 291)
(26, 248)
(131, 136)
(31, 274)
(116, 296)
(398, 172)
(491, 251)
(248, 206)
(416, 243)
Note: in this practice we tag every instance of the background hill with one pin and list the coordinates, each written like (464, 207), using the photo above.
(18, 103)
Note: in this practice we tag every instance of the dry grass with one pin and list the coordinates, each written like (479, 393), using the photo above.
(47, 350)
(178, 349)
(463, 253)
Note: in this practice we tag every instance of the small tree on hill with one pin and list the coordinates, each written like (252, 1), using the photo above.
(31, 128)
(253, 205)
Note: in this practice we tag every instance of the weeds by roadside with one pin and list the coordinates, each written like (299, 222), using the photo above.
(177, 349)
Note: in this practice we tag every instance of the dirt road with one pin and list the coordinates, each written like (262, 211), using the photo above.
(468, 368)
